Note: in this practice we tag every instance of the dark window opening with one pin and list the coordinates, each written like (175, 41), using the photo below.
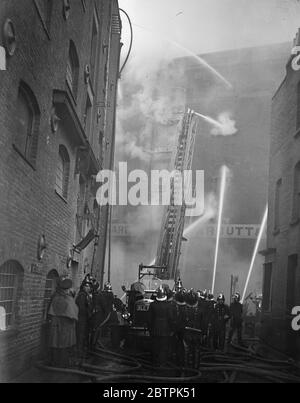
(27, 124)
(291, 282)
(62, 172)
(296, 199)
(72, 74)
(88, 117)
(50, 287)
(266, 302)
(94, 48)
(11, 279)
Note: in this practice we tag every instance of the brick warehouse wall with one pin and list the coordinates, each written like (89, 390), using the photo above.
(29, 206)
(284, 155)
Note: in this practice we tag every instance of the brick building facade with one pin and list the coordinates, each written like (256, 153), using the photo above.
(57, 112)
(281, 290)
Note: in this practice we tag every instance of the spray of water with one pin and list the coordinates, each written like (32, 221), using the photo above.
(260, 235)
(224, 126)
(224, 171)
(192, 54)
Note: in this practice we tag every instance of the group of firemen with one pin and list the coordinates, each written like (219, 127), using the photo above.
(182, 322)
(76, 319)
(96, 308)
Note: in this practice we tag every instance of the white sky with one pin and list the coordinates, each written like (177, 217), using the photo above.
(209, 25)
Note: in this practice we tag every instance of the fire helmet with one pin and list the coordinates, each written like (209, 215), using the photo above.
(210, 296)
(203, 294)
(107, 287)
(178, 285)
(180, 296)
(161, 294)
(221, 298)
(237, 297)
(191, 297)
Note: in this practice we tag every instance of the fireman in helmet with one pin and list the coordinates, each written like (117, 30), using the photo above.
(221, 317)
(178, 326)
(84, 303)
(102, 311)
(202, 305)
(208, 320)
(192, 334)
(236, 314)
(160, 328)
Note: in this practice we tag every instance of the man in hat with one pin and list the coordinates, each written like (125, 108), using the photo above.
(84, 303)
(160, 327)
(236, 313)
(102, 312)
(193, 334)
(179, 318)
(220, 319)
(63, 314)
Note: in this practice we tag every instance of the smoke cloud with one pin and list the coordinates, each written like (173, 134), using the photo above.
(226, 127)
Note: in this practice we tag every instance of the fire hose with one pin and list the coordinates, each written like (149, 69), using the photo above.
(245, 361)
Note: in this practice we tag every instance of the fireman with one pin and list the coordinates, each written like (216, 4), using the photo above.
(178, 326)
(160, 328)
(178, 285)
(208, 320)
(203, 308)
(220, 319)
(102, 311)
(84, 303)
(192, 334)
(236, 314)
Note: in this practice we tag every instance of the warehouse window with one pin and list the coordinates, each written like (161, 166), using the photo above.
(11, 279)
(94, 47)
(62, 172)
(73, 69)
(266, 303)
(88, 116)
(50, 287)
(291, 282)
(277, 205)
(27, 120)
(296, 199)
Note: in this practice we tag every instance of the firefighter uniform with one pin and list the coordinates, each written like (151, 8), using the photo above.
(209, 320)
(84, 303)
(102, 311)
(160, 328)
(178, 307)
(236, 314)
(193, 334)
(221, 317)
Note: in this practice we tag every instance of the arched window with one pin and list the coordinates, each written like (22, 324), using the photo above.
(11, 280)
(296, 198)
(73, 69)
(27, 121)
(50, 286)
(62, 172)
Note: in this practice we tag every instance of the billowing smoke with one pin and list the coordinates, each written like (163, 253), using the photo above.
(226, 127)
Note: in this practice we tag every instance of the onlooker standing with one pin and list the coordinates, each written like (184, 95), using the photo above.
(63, 314)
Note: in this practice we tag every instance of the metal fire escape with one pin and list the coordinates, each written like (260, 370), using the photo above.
(169, 246)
